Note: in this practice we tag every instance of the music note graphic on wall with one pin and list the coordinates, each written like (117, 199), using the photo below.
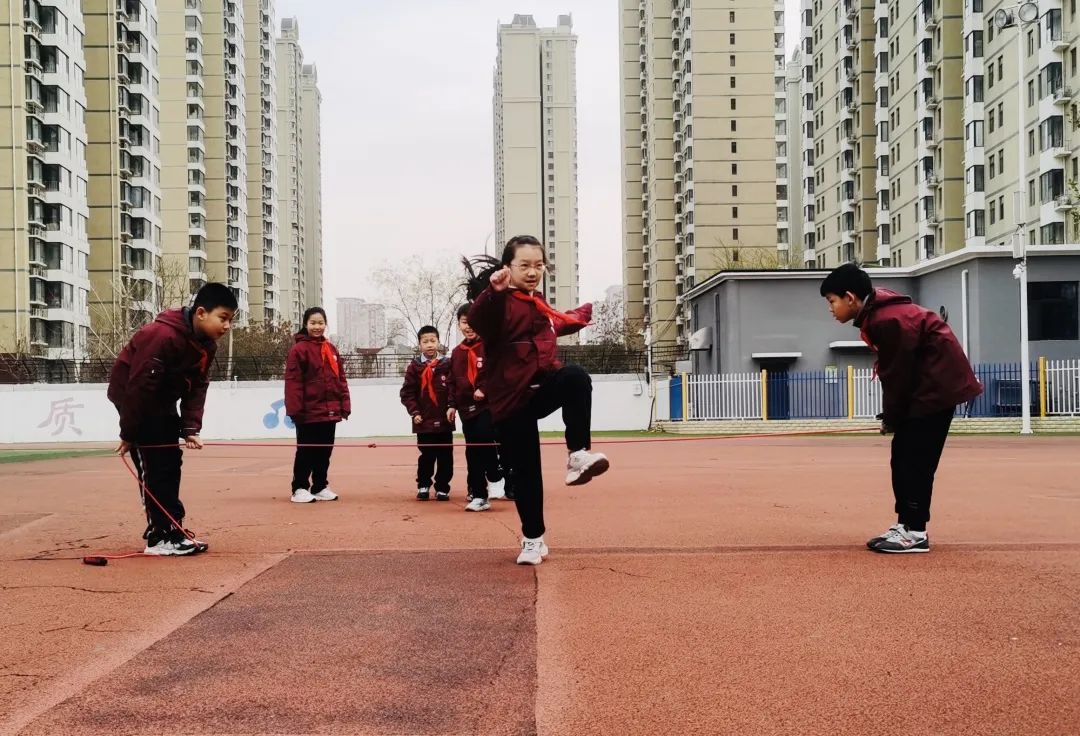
(272, 419)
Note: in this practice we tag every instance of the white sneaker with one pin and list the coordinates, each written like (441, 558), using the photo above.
(497, 490)
(533, 551)
(478, 504)
(325, 495)
(173, 544)
(302, 495)
(582, 466)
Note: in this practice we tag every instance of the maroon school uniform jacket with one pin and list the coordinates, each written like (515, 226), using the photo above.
(461, 387)
(163, 363)
(416, 395)
(314, 390)
(921, 364)
(521, 347)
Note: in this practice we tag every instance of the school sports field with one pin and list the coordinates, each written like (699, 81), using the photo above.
(703, 587)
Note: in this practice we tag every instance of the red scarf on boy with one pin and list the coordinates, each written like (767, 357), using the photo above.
(427, 381)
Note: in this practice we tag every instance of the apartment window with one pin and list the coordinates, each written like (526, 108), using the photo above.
(732, 103)
(735, 237)
(731, 82)
(976, 43)
(990, 124)
(731, 38)
(733, 126)
(976, 84)
(1031, 93)
(993, 168)
(976, 180)
(734, 169)
(1053, 310)
(731, 60)
(734, 190)
(734, 147)
(731, 16)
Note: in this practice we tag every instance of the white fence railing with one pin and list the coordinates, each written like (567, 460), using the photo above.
(866, 394)
(725, 396)
(1063, 387)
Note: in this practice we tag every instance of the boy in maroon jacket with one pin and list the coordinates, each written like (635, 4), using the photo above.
(924, 377)
(165, 362)
(467, 396)
(426, 396)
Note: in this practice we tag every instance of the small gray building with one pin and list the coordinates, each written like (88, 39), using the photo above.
(749, 320)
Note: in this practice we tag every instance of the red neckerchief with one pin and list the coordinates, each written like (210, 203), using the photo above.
(547, 310)
(427, 381)
(473, 369)
(328, 357)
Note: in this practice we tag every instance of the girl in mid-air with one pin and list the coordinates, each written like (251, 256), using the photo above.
(524, 380)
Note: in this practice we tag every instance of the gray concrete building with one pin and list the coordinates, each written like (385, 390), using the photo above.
(747, 321)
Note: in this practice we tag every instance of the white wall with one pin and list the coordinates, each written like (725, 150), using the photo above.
(246, 410)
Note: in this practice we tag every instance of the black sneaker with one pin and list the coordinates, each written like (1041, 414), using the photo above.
(173, 544)
(903, 541)
(875, 541)
(442, 496)
(422, 494)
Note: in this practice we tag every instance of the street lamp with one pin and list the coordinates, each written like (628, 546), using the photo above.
(1021, 16)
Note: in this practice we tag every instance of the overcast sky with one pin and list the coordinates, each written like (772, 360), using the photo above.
(407, 129)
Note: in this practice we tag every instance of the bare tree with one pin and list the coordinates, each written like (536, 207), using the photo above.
(114, 317)
(756, 258)
(611, 326)
(422, 291)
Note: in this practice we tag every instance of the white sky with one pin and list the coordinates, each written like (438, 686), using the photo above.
(407, 130)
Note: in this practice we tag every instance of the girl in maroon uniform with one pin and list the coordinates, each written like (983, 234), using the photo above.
(524, 380)
(316, 399)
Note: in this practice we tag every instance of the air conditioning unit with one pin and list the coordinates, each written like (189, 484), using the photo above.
(701, 339)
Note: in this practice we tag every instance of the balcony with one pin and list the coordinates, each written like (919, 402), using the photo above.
(1063, 95)
(1064, 203)
(932, 103)
(931, 24)
(1060, 41)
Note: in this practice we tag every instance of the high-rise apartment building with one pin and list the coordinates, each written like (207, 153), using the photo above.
(789, 220)
(44, 290)
(705, 147)
(262, 182)
(360, 324)
(149, 134)
(311, 102)
(535, 123)
(204, 147)
(290, 160)
(123, 159)
(942, 85)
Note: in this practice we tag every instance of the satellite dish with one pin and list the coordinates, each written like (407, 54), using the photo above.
(1003, 19)
(1028, 12)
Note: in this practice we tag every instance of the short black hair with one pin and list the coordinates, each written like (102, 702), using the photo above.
(214, 295)
(845, 278)
(463, 310)
(427, 330)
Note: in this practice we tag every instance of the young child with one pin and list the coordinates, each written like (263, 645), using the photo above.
(165, 362)
(524, 380)
(924, 377)
(467, 396)
(426, 396)
(316, 398)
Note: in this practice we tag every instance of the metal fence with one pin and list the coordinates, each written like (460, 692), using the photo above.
(1061, 387)
(856, 393)
(597, 359)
